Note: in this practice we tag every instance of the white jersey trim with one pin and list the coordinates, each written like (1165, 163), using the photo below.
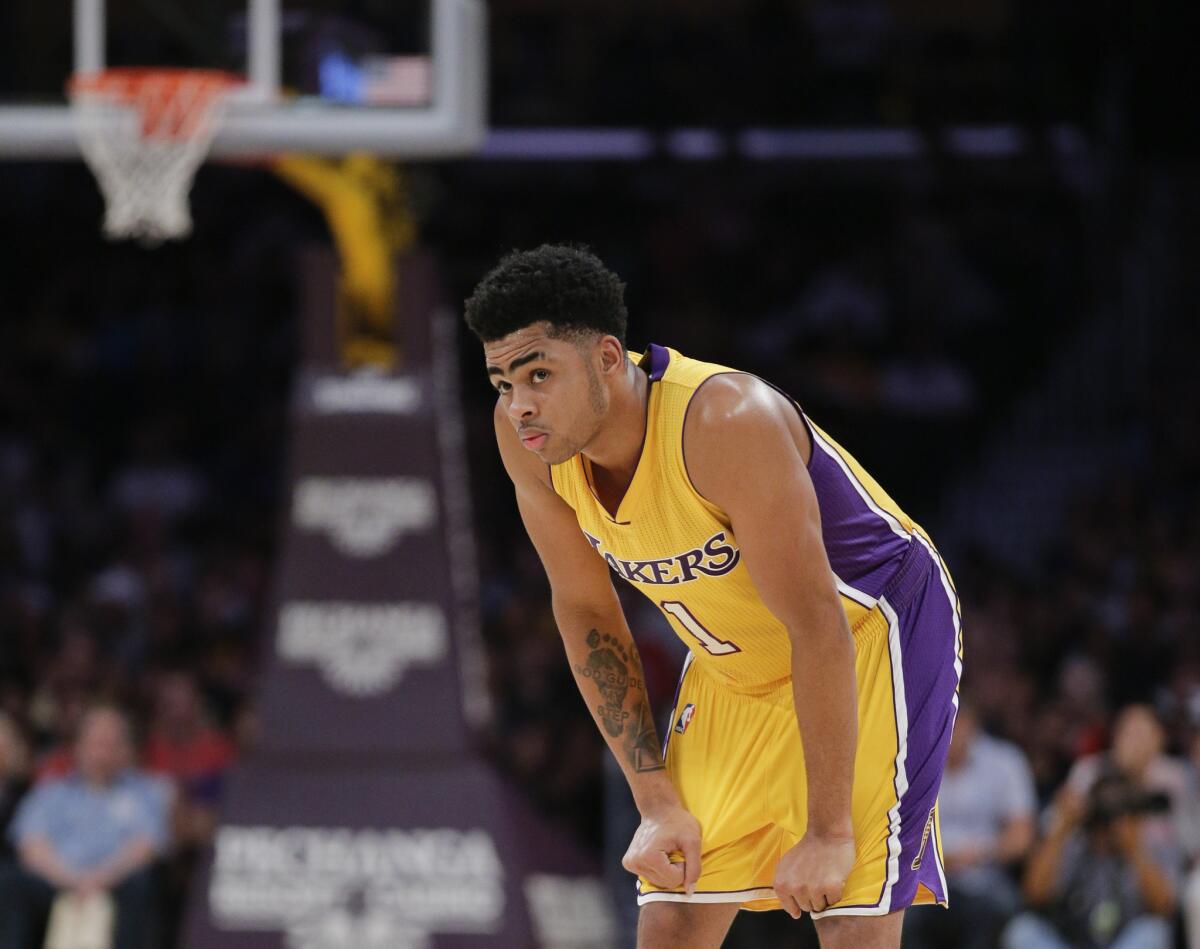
(878, 910)
(937, 860)
(900, 707)
(852, 593)
(733, 896)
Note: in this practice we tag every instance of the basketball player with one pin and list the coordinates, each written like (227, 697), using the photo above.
(816, 704)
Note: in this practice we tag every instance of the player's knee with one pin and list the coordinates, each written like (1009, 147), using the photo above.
(666, 925)
(854, 932)
(658, 923)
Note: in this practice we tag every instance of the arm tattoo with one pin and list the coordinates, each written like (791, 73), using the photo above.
(608, 667)
(642, 744)
(615, 671)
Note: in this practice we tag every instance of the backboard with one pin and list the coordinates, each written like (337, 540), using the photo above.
(403, 79)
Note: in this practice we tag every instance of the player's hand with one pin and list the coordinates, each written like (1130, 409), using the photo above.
(811, 876)
(663, 835)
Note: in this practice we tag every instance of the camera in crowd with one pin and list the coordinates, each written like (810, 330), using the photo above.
(1114, 796)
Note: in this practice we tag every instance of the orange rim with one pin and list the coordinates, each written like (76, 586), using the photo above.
(172, 102)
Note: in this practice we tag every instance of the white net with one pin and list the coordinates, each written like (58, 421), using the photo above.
(144, 133)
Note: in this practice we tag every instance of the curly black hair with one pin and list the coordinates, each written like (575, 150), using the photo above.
(566, 286)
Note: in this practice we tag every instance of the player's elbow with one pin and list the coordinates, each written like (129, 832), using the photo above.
(583, 607)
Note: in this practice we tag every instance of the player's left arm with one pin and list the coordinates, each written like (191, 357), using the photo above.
(745, 448)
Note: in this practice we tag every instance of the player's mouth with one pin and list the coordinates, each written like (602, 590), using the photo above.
(533, 440)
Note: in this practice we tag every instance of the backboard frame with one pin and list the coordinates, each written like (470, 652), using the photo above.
(260, 123)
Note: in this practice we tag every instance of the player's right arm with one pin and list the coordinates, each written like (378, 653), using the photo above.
(606, 665)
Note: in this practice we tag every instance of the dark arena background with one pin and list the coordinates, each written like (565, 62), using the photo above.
(250, 496)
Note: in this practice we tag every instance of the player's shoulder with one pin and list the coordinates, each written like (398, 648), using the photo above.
(729, 402)
(738, 426)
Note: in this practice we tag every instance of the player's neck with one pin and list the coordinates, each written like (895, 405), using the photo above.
(617, 447)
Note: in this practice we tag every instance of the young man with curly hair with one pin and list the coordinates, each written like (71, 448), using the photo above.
(816, 705)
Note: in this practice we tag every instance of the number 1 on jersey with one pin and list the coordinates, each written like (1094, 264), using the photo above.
(712, 645)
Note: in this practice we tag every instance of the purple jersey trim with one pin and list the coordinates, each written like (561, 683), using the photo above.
(862, 546)
(658, 359)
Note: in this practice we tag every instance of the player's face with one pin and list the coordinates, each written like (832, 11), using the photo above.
(550, 390)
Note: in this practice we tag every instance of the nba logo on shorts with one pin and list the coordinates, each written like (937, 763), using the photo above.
(685, 718)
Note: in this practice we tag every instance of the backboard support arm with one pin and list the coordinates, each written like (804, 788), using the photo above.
(89, 36)
(263, 56)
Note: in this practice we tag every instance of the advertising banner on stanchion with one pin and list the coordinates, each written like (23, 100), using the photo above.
(367, 648)
(445, 857)
(374, 639)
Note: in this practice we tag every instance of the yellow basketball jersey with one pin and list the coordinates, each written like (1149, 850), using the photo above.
(681, 552)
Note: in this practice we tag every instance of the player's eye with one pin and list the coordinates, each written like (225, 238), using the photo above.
(503, 387)
(540, 375)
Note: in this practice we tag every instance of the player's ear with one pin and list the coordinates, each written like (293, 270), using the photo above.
(612, 354)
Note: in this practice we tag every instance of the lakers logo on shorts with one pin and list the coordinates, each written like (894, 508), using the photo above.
(916, 864)
(685, 718)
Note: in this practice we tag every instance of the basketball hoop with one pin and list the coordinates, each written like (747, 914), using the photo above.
(144, 132)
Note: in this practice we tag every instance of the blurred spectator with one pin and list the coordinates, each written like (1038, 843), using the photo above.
(1191, 888)
(14, 783)
(60, 716)
(185, 746)
(921, 380)
(1093, 882)
(1137, 754)
(98, 830)
(14, 777)
(987, 808)
(154, 481)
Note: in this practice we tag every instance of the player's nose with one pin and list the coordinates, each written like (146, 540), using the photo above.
(520, 406)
